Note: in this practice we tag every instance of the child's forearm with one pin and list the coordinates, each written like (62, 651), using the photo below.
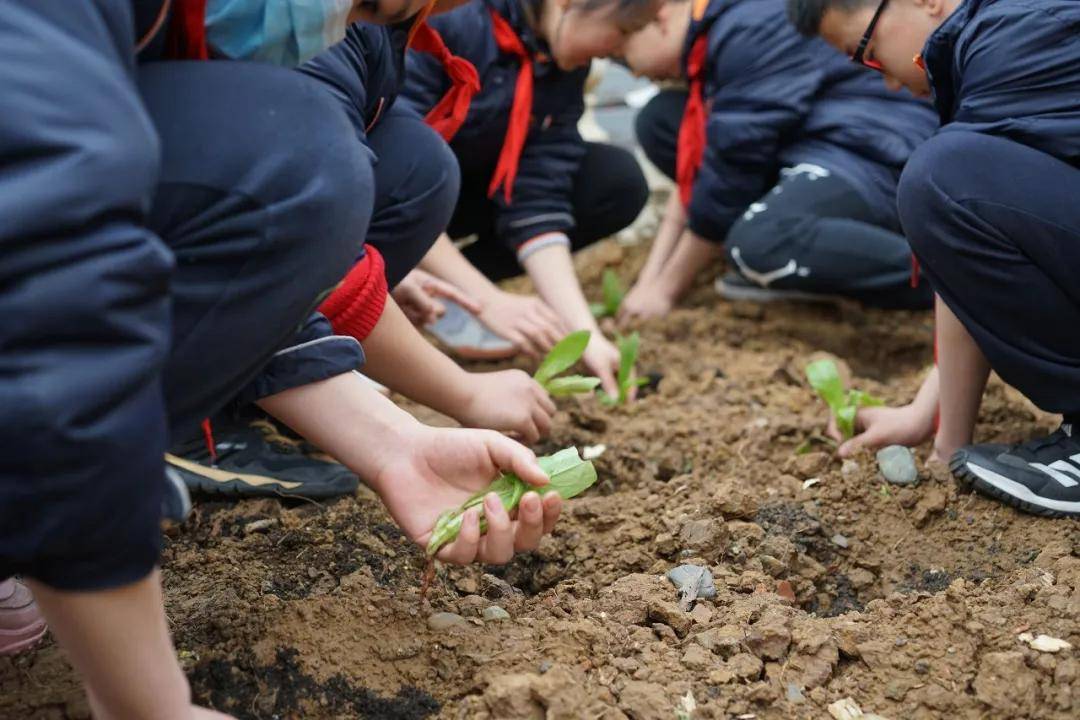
(446, 262)
(552, 271)
(346, 418)
(963, 372)
(690, 256)
(671, 228)
(399, 357)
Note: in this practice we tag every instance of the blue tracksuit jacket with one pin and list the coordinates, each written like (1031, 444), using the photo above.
(553, 149)
(776, 99)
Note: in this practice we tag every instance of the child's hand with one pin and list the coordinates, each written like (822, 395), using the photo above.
(524, 320)
(508, 401)
(439, 468)
(646, 300)
(602, 359)
(877, 427)
(418, 292)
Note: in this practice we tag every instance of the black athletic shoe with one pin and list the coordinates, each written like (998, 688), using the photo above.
(176, 502)
(256, 460)
(1040, 476)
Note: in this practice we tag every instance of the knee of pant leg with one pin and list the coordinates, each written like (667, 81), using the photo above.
(657, 128)
(625, 188)
(937, 172)
(327, 191)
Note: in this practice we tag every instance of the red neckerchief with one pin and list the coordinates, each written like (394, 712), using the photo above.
(691, 144)
(449, 113)
(187, 31)
(517, 129)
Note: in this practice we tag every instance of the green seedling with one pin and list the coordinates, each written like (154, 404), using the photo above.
(612, 293)
(567, 473)
(561, 358)
(825, 379)
(628, 351)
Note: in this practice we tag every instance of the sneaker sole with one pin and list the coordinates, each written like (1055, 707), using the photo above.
(1007, 491)
(765, 295)
(20, 644)
(213, 481)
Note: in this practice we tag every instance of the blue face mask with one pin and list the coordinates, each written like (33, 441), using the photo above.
(282, 32)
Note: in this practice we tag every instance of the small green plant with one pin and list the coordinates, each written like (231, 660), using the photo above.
(612, 293)
(568, 475)
(825, 379)
(561, 358)
(628, 351)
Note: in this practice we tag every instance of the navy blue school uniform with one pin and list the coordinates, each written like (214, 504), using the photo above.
(416, 176)
(990, 202)
(155, 252)
(565, 190)
(803, 153)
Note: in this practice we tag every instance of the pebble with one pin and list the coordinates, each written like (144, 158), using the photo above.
(849, 468)
(897, 465)
(444, 621)
(840, 541)
(495, 613)
(794, 694)
(683, 576)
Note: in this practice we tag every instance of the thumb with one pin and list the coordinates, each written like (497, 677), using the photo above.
(512, 456)
(866, 439)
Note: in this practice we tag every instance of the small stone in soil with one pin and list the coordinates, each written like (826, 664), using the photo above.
(840, 541)
(794, 694)
(545, 665)
(444, 621)
(690, 578)
(897, 465)
(495, 613)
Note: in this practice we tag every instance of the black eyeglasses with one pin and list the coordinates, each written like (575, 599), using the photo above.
(860, 52)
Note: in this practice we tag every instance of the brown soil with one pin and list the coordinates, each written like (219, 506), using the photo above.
(316, 613)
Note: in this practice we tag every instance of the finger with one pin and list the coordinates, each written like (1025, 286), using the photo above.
(538, 334)
(833, 430)
(552, 509)
(513, 456)
(551, 318)
(548, 333)
(530, 347)
(497, 545)
(530, 522)
(463, 550)
(441, 288)
(542, 422)
(529, 432)
(545, 400)
(857, 443)
(607, 378)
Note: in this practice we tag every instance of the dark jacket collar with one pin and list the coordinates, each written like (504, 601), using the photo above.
(938, 54)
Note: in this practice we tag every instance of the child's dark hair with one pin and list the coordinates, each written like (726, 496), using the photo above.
(806, 15)
(627, 12)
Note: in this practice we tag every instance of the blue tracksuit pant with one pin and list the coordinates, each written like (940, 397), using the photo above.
(163, 232)
(812, 222)
(996, 225)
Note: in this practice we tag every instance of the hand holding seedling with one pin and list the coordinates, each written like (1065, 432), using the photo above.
(445, 468)
(612, 293)
(561, 358)
(568, 475)
(844, 404)
(908, 425)
(602, 360)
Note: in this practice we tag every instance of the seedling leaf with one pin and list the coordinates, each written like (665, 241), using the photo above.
(612, 293)
(563, 356)
(571, 385)
(567, 473)
(628, 351)
(844, 404)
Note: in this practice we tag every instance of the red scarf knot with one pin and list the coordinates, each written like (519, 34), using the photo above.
(691, 147)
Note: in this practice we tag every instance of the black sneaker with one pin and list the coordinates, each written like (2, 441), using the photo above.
(256, 460)
(1040, 476)
(736, 286)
